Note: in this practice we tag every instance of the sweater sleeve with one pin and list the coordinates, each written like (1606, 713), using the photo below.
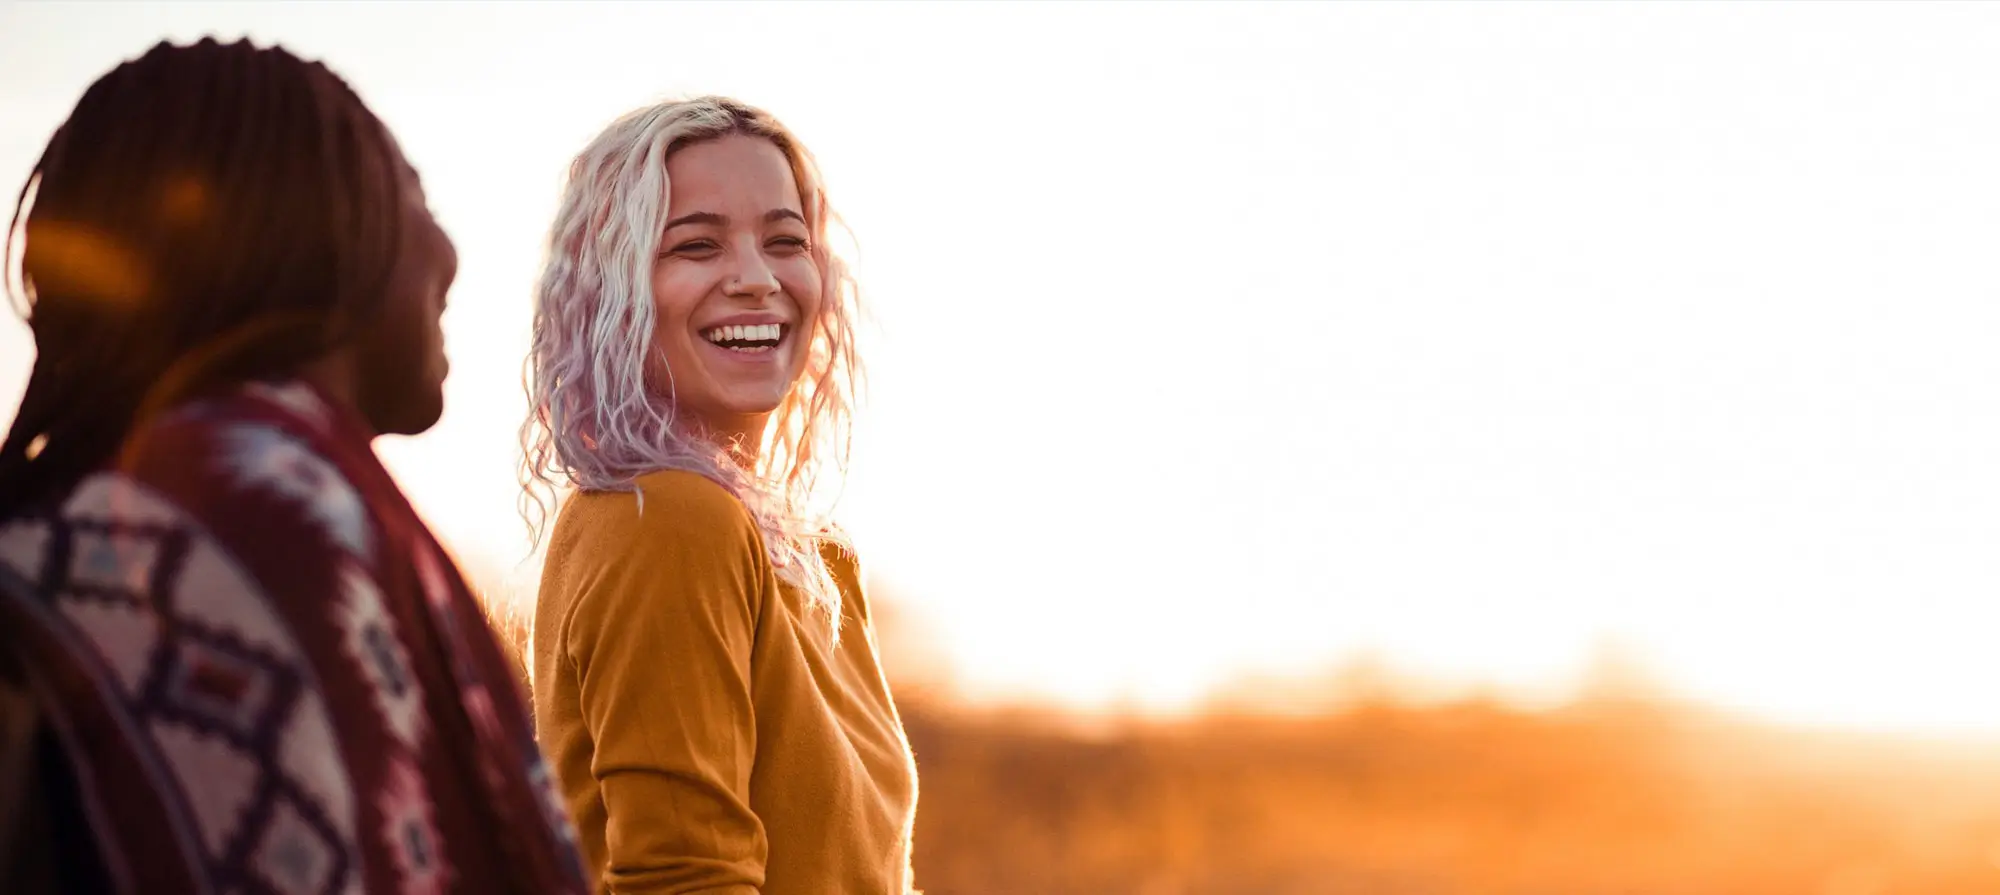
(669, 590)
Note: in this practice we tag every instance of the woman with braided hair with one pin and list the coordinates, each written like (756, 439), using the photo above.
(234, 659)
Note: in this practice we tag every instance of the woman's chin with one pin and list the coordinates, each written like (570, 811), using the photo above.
(753, 398)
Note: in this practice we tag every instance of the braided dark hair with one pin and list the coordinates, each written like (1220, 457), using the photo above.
(208, 214)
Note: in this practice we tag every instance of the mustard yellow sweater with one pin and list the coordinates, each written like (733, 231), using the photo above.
(707, 733)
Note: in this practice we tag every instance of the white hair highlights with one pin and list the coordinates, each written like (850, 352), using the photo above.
(598, 421)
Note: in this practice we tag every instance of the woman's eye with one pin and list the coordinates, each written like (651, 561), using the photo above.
(791, 243)
(693, 247)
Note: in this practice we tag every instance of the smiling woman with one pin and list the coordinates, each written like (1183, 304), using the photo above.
(716, 723)
(731, 286)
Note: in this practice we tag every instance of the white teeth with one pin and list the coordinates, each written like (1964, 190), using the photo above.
(766, 332)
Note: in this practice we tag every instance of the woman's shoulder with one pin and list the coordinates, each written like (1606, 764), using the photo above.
(684, 507)
(672, 526)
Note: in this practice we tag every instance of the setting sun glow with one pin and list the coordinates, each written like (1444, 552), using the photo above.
(1215, 344)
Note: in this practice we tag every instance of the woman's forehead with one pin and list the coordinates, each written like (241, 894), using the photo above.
(733, 170)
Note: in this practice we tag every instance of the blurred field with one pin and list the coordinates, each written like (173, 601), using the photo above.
(1618, 793)
(1470, 798)
(1611, 795)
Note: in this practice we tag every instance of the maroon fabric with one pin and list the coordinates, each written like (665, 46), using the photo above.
(249, 622)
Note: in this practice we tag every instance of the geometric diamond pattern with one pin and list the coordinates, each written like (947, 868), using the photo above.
(125, 633)
(221, 679)
(316, 771)
(112, 559)
(294, 857)
(228, 703)
(211, 588)
(409, 830)
(230, 689)
(219, 781)
(369, 635)
(110, 496)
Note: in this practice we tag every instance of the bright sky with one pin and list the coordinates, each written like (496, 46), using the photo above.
(1219, 340)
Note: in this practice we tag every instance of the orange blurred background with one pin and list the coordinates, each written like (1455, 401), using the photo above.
(1362, 448)
(1620, 790)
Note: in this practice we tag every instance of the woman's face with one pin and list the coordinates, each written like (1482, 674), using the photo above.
(735, 286)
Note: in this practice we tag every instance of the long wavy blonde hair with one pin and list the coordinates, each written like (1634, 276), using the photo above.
(598, 421)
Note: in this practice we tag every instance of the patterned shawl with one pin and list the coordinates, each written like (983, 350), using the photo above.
(267, 676)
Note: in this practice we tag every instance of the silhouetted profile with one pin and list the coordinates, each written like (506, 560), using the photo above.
(236, 661)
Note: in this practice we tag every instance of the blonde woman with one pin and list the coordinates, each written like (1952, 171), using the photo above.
(705, 673)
